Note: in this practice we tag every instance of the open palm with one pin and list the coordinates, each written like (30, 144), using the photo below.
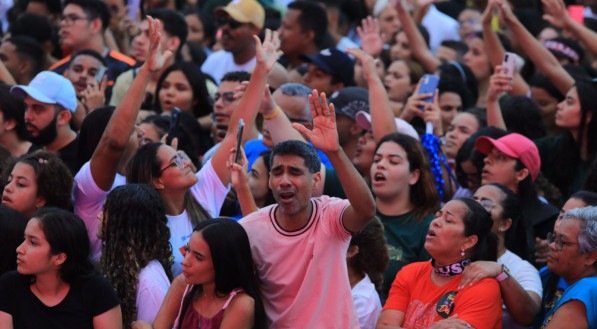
(324, 135)
(157, 55)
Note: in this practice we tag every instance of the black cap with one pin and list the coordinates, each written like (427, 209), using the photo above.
(334, 62)
(350, 100)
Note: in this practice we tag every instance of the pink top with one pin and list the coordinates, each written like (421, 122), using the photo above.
(192, 319)
(303, 273)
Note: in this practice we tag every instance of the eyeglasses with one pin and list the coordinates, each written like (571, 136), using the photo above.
(177, 161)
(227, 97)
(558, 241)
(221, 21)
(70, 19)
(486, 203)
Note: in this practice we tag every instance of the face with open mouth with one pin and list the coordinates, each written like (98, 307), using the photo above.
(390, 173)
(445, 237)
(291, 183)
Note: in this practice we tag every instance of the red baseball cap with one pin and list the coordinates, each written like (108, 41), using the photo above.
(515, 146)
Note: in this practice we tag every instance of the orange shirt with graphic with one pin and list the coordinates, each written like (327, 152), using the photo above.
(414, 294)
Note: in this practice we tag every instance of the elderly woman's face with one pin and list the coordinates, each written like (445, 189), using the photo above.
(565, 258)
(445, 239)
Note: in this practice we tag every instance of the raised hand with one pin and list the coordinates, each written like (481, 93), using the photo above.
(505, 12)
(367, 62)
(556, 13)
(488, 12)
(324, 135)
(432, 113)
(94, 96)
(499, 83)
(157, 55)
(371, 38)
(268, 52)
(238, 171)
(414, 105)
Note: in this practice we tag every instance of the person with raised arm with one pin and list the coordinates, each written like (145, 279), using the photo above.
(190, 197)
(105, 170)
(285, 237)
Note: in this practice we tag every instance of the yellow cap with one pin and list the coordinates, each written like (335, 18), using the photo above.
(245, 11)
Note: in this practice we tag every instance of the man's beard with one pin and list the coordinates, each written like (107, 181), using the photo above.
(46, 135)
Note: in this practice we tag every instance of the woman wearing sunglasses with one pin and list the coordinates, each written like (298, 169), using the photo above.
(193, 197)
(428, 294)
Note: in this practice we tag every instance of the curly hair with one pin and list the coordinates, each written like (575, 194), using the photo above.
(53, 178)
(133, 232)
(372, 258)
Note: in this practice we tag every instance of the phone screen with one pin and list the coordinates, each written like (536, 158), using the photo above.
(239, 140)
(174, 124)
(99, 75)
(509, 63)
(428, 86)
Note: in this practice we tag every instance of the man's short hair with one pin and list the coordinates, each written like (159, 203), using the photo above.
(236, 76)
(295, 89)
(312, 18)
(35, 26)
(93, 9)
(31, 49)
(300, 149)
(173, 22)
(13, 108)
(88, 52)
(458, 46)
(54, 6)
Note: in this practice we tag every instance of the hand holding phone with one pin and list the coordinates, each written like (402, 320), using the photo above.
(174, 125)
(509, 64)
(428, 85)
(99, 75)
(239, 140)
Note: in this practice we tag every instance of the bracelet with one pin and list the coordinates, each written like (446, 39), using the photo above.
(273, 114)
(503, 275)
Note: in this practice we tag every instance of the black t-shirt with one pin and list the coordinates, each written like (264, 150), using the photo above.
(88, 297)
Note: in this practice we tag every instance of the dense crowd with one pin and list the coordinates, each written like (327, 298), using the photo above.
(298, 164)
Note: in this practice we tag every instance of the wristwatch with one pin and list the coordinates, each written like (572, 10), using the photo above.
(503, 275)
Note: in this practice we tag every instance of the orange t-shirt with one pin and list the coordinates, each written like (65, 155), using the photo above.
(422, 301)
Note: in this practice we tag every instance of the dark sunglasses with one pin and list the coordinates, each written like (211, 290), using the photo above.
(221, 21)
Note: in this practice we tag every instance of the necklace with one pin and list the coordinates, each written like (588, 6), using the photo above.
(450, 269)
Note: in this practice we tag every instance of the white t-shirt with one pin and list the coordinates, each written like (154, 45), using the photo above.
(366, 303)
(88, 202)
(151, 290)
(221, 62)
(440, 27)
(303, 273)
(210, 193)
(526, 275)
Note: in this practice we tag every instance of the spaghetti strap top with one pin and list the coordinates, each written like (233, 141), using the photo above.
(193, 320)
